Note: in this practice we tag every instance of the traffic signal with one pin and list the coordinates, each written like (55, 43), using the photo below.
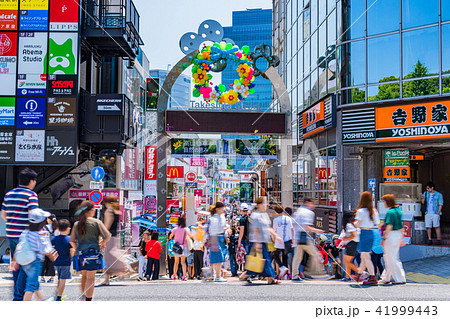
(152, 93)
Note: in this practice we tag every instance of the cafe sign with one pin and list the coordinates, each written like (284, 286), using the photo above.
(429, 120)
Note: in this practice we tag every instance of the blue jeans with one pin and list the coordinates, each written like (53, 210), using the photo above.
(233, 264)
(32, 272)
(268, 269)
(19, 276)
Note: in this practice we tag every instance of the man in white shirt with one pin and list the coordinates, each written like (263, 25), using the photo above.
(282, 225)
(304, 240)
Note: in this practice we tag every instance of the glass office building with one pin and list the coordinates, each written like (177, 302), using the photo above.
(251, 27)
(382, 67)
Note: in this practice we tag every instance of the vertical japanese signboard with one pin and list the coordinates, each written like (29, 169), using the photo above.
(396, 166)
(150, 163)
(60, 147)
(31, 72)
(30, 145)
(8, 15)
(8, 63)
(33, 15)
(61, 111)
(64, 15)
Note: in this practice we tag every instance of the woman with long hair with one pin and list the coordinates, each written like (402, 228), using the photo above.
(114, 265)
(367, 220)
(85, 238)
(216, 231)
(179, 234)
(351, 239)
(391, 242)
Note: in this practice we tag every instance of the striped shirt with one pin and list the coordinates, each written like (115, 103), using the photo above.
(17, 203)
(39, 242)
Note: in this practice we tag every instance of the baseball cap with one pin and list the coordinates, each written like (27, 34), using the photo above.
(37, 215)
(323, 237)
(244, 206)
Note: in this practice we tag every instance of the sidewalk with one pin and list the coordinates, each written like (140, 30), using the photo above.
(435, 270)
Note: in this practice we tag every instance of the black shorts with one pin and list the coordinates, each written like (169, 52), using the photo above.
(350, 248)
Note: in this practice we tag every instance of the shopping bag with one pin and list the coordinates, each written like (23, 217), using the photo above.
(254, 261)
(271, 246)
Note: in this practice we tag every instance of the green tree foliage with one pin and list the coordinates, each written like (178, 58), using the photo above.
(358, 96)
(420, 87)
(387, 91)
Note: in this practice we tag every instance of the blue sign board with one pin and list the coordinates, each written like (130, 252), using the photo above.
(31, 112)
(372, 183)
(7, 114)
(161, 230)
(97, 173)
(33, 20)
(34, 92)
(191, 184)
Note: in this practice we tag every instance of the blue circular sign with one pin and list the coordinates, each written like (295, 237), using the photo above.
(97, 173)
(95, 197)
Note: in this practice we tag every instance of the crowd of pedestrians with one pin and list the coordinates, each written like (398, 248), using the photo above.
(252, 242)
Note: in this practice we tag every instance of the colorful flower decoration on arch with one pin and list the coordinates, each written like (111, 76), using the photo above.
(213, 58)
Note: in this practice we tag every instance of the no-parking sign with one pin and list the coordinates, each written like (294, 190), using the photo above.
(96, 197)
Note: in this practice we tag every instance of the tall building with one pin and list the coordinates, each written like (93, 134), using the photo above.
(366, 77)
(251, 27)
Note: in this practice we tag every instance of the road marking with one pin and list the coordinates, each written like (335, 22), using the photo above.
(429, 279)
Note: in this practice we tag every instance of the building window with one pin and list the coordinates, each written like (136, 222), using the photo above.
(355, 60)
(354, 21)
(383, 58)
(382, 16)
(419, 13)
(306, 22)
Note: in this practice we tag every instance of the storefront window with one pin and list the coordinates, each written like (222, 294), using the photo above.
(418, 13)
(382, 16)
(421, 87)
(354, 23)
(420, 53)
(384, 58)
(446, 47)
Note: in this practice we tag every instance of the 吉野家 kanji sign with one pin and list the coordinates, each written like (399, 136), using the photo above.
(175, 171)
(150, 163)
(396, 166)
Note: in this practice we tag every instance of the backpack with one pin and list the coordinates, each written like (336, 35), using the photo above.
(24, 255)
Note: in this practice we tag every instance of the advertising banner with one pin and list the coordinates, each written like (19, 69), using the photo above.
(62, 50)
(61, 111)
(60, 147)
(34, 4)
(7, 111)
(396, 166)
(31, 73)
(182, 147)
(150, 163)
(175, 171)
(425, 120)
(150, 205)
(246, 192)
(6, 146)
(149, 188)
(30, 113)
(198, 162)
(8, 20)
(265, 148)
(33, 20)
(8, 63)
(9, 4)
(64, 15)
(62, 85)
(30, 145)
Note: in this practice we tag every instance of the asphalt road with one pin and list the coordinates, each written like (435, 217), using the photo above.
(314, 290)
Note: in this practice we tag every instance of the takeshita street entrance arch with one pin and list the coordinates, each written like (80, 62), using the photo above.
(216, 60)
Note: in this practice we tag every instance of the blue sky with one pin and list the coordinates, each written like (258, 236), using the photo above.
(163, 22)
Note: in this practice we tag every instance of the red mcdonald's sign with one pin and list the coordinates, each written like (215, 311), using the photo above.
(175, 171)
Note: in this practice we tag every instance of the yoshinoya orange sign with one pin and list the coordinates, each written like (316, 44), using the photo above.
(318, 117)
(425, 120)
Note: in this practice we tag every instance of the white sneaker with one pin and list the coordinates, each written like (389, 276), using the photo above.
(283, 271)
(220, 279)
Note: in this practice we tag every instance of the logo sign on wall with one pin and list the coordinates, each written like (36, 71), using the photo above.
(8, 62)
(150, 205)
(175, 171)
(396, 166)
(8, 19)
(6, 146)
(31, 73)
(60, 147)
(66, 85)
(7, 111)
(64, 15)
(34, 15)
(200, 162)
(61, 111)
(191, 176)
(30, 145)
(109, 104)
(150, 163)
(31, 113)
(62, 57)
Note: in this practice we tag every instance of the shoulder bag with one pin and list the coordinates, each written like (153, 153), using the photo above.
(91, 259)
(24, 255)
(254, 261)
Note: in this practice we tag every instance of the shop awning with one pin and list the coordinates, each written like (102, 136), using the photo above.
(144, 222)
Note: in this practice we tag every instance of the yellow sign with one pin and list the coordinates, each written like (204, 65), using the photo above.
(33, 4)
(9, 4)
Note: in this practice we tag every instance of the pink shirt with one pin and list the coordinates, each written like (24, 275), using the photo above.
(179, 233)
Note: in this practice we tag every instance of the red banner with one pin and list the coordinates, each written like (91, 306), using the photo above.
(175, 171)
(131, 164)
(8, 44)
(150, 163)
(8, 20)
(64, 15)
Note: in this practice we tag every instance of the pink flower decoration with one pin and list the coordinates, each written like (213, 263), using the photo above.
(239, 54)
(205, 91)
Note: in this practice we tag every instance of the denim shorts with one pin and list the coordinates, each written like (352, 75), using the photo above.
(63, 272)
(365, 241)
(33, 272)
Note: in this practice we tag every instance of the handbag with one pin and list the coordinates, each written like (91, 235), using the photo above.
(24, 255)
(90, 260)
(271, 246)
(301, 238)
(177, 248)
(340, 242)
(254, 261)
